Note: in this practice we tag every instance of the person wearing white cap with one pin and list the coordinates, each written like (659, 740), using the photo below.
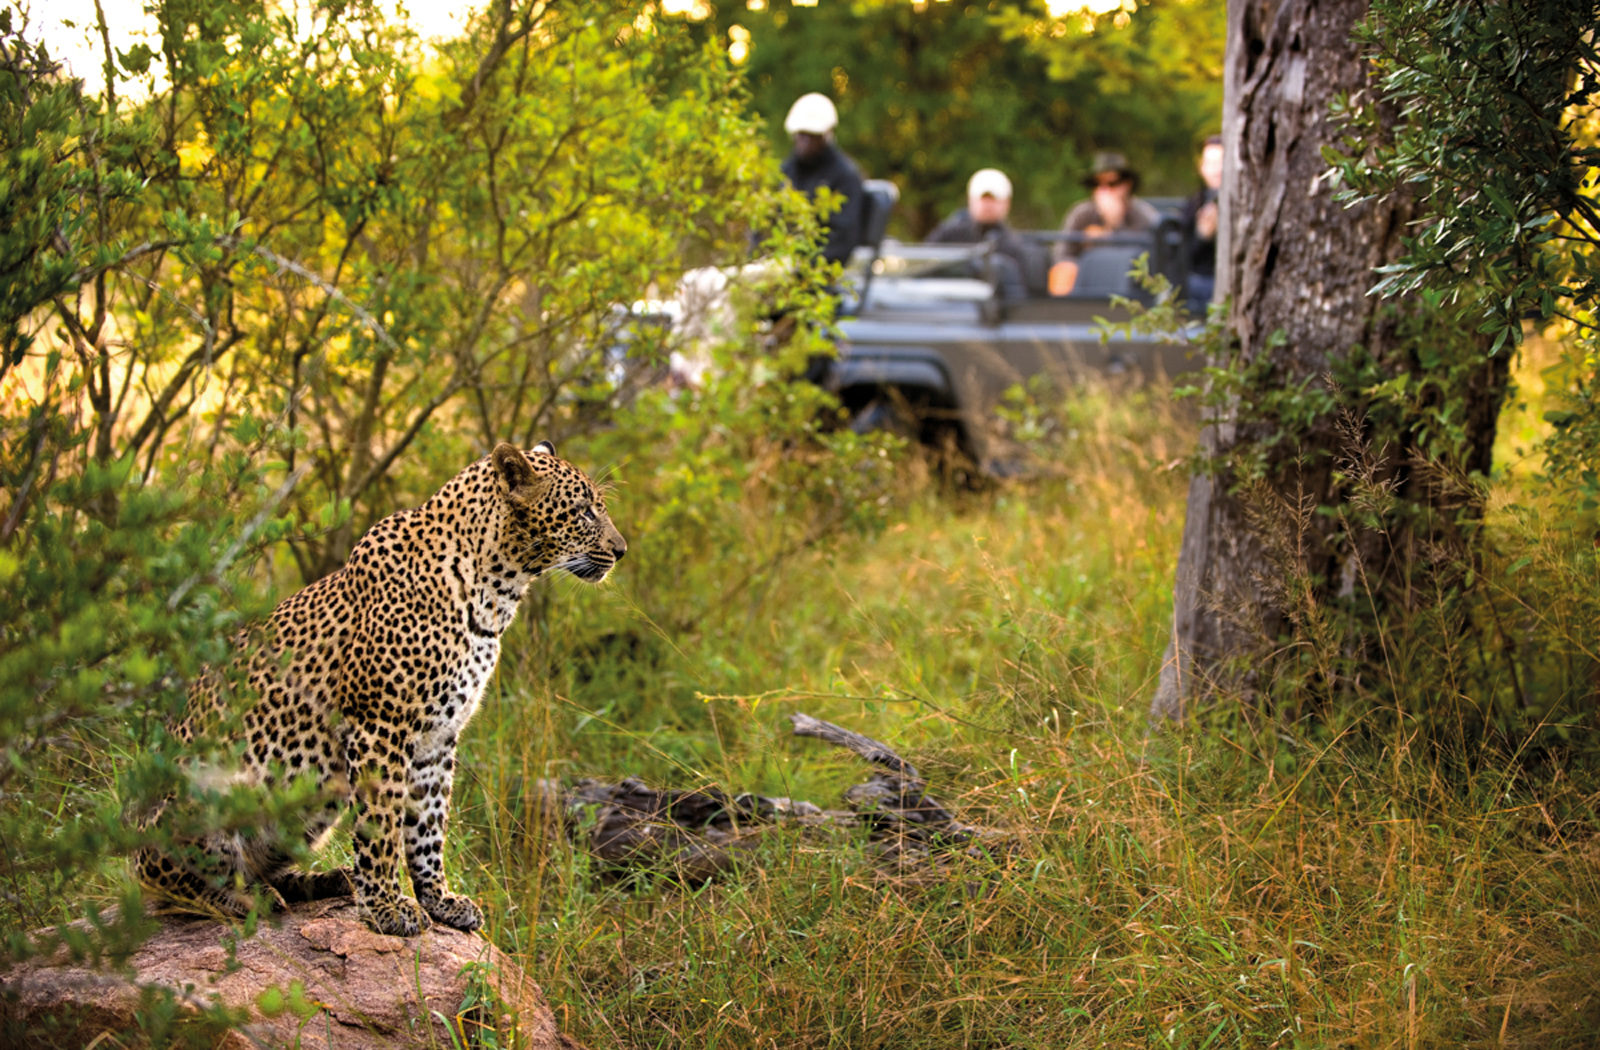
(983, 220)
(816, 161)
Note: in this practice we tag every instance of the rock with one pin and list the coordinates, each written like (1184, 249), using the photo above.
(316, 978)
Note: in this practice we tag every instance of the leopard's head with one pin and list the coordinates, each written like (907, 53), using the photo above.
(556, 517)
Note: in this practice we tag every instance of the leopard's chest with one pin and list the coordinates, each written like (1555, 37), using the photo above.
(460, 691)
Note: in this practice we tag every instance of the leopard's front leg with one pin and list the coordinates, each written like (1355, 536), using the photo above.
(427, 815)
(377, 761)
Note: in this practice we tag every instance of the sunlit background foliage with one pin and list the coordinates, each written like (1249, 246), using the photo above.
(930, 92)
(299, 265)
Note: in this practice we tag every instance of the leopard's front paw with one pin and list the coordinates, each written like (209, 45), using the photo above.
(452, 909)
(397, 916)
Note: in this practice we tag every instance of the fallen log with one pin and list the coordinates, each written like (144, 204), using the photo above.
(699, 833)
(896, 802)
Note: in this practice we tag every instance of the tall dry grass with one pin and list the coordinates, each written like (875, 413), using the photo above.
(1344, 883)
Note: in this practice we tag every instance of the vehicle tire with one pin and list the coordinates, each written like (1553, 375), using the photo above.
(889, 414)
(951, 460)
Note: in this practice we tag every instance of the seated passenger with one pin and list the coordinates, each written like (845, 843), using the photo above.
(1200, 226)
(1112, 208)
(817, 161)
(982, 221)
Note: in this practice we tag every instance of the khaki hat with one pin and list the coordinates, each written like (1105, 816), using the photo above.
(1107, 161)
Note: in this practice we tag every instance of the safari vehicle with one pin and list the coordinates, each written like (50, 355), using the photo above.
(929, 348)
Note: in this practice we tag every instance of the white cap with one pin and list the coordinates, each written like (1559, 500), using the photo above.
(989, 182)
(812, 113)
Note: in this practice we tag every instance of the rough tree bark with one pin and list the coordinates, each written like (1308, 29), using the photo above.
(1295, 261)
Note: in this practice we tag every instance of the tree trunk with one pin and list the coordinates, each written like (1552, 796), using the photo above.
(1258, 558)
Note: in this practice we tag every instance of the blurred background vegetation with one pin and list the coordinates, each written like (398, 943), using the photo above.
(294, 267)
(928, 93)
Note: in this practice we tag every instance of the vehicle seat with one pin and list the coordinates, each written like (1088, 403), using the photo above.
(877, 203)
(878, 197)
(1103, 270)
(1036, 274)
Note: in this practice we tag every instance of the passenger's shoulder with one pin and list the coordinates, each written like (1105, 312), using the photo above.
(1079, 215)
(1147, 212)
(845, 166)
(954, 228)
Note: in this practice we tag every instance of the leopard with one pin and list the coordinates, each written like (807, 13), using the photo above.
(362, 682)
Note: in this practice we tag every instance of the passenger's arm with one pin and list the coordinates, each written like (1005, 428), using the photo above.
(1081, 218)
(1063, 275)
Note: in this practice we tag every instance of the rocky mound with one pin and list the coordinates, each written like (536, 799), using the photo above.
(316, 978)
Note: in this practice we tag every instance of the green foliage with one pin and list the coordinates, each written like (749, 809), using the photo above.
(38, 185)
(274, 999)
(929, 93)
(1417, 405)
(274, 282)
(1498, 141)
(1495, 137)
(115, 590)
(1144, 78)
(1406, 488)
(387, 257)
(483, 1021)
(693, 463)
(119, 587)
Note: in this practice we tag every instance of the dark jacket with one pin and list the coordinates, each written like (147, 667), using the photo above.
(1202, 250)
(834, 169)
(960, 229)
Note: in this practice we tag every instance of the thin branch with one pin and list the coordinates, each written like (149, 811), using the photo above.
(333, 291)
(237, 545)
(90, 273)
(381, 466)
(869, 749)
(19, 501)
(110, 66)
(504, 40)
(202, 356)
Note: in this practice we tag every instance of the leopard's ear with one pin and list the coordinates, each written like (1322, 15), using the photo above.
(544, 447)
(513, 470)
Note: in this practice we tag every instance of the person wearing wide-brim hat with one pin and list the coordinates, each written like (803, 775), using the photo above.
(1111, 208)
(1111, 167)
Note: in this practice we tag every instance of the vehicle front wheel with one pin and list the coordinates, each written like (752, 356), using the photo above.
(889, 414)
(934, 434)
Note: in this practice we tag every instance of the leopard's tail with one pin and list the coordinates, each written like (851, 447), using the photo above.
(209, 876)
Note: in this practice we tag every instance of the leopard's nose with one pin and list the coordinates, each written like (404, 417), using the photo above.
(619, 547)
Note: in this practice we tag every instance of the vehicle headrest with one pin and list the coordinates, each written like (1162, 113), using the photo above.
(878, 199)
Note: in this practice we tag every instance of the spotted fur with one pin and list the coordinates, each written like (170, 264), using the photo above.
(365, 679)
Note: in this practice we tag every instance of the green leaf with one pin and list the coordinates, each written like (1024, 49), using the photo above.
(270, 1001)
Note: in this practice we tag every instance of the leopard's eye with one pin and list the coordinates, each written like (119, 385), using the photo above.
(590, 516)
